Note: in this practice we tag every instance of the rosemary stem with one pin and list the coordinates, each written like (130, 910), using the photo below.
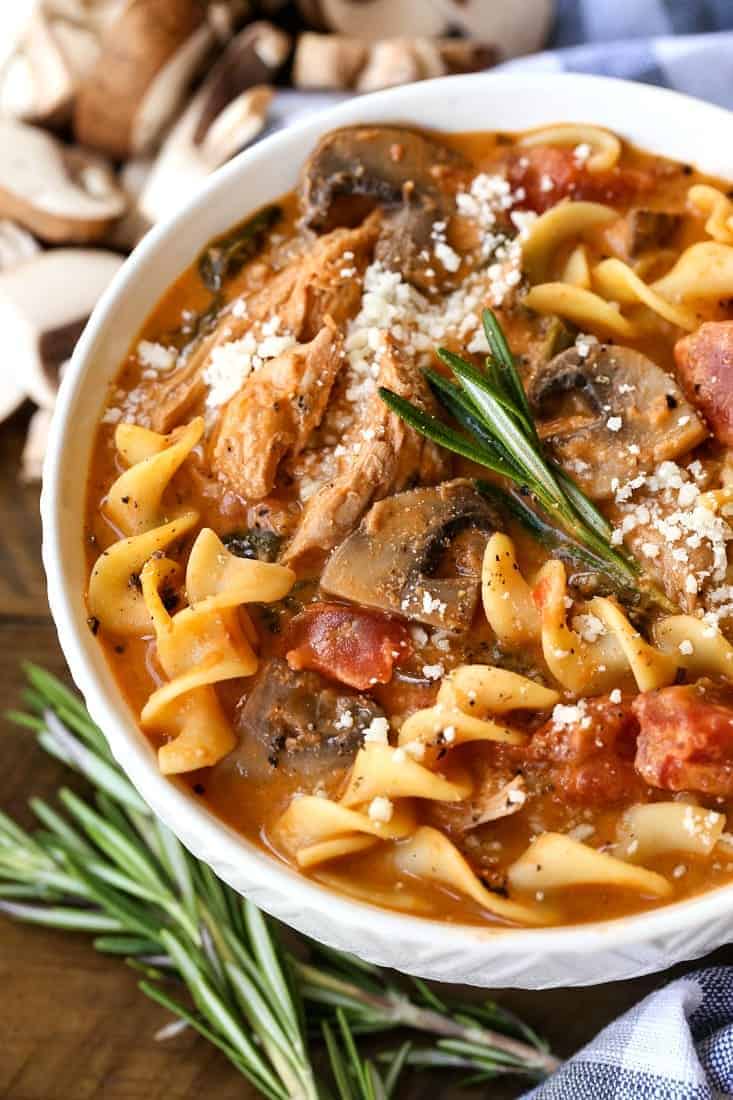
(399, 1010)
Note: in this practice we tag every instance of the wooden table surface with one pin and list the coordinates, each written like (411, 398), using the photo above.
(72, 1024)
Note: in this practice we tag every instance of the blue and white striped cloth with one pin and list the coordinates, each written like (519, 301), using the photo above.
(686, 45)
(677, 1044)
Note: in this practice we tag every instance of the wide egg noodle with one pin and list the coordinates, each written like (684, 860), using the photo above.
(712, 204)
(316, 830)
(506, 596)
(377, 772)
(115, 596)
(565, 221)
(649, 830)
(589, 311)
(134, 501)
(704, 272)
(428, 854)
(218, 578)
(554, 862)
(615, 280)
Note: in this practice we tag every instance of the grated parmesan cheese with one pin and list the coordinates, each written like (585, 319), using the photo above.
(155, 356)
(377, 732)
(380, 809)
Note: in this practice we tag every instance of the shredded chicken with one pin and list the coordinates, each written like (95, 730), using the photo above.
(390, 456)
(301, 296)
(274, 414)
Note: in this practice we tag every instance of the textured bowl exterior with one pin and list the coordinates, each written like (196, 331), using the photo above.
(660, 121)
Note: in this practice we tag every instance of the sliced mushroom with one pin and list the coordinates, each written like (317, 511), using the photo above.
(44, 305)
(60, 194)
(515, 28)
(496, 795)
(337, 61)
(182, 165)
(40, 79)
(254, 56)
(12, 392)
(226, 114)
(149, 55)
(16, 245)
(132, 227)
(34, 448)
(611, 414)
(328, 61)
(298, 724)
(359, 167)
(650, 229)
(417, 554)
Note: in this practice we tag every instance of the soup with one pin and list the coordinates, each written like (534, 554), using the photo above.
(408, 525)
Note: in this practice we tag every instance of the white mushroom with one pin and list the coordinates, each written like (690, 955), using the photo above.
(182, 165)
(335, 61)
(44, 305)
(131, 228)
(328, 60)
(39, 80)
(16, 245)
(513, 28)
(227, 113)
(34, 449)
(149, 55)
(60, 194)
(12, 393)
(375, 18)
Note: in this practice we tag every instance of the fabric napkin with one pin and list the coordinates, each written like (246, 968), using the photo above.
(677, 1044)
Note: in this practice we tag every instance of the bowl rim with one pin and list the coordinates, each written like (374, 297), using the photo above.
(204, 832)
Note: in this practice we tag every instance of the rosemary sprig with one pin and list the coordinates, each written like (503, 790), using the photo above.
(108, 867)
(491, 406)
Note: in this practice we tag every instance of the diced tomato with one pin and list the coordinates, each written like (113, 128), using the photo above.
(705, 367)
(350, 644)
(589, 760)
(686, 738)
(548, 174)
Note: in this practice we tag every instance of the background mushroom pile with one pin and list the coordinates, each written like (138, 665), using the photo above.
(112, 112)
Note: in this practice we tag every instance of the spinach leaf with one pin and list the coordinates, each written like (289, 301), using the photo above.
(253, 543)
(226, 255)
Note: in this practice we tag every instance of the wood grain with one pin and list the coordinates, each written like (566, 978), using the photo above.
(72, 1023)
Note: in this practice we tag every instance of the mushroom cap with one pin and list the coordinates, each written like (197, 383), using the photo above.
(514, 28)
(292, 722)
(411, 175)
(44, 304)
(616, 414)
(60, 194)
(39, 81)
(395, 561)
(149, 54)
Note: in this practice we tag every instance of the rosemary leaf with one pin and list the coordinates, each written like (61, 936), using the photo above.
(491, 406)
(113, 871)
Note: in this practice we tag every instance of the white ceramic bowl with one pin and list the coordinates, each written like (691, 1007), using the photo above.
(659, 121)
